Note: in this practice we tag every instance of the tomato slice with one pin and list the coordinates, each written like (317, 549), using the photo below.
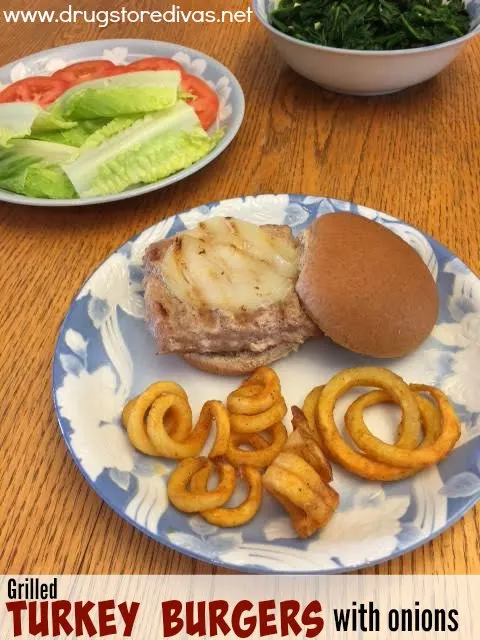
(154, 64)
(40, 89)
(84, 71)
(205, 101)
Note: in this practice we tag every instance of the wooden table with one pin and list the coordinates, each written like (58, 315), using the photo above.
(415, 155)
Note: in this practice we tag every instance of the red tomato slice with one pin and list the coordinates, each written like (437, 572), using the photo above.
(40, 89)
(154, 64)
(84, 71)
(205, 101)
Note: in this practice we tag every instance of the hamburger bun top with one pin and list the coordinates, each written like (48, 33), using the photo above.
(364, 287)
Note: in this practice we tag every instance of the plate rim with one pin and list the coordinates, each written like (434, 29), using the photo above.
(165, 541)
(238, 116)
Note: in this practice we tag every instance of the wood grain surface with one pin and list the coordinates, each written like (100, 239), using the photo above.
(415, 155)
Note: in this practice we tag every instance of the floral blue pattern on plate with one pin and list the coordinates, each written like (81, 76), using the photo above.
(231, 98)
(104, 356)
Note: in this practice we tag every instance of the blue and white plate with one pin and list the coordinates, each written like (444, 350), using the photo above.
(105, 355)
(229, 91)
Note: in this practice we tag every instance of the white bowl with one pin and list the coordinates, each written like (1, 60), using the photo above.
(365, 73)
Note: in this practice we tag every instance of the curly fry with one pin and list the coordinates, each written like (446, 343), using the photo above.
(319, 503)
(195, 441)
(135, 412)
(332, 440)
(298, 478)
(360, 464)
(302, 442)
(260, 421)
(256, 394)
(304, 525)
(310, 408)
(429, 412)
(188, 501)
(291, 461)
(259, 458)
(393, 454)
(159, 423)
(222, 421)
(255, 441)
(235, 516)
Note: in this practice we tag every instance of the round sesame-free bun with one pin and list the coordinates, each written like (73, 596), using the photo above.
(238, 364)
(364, 287)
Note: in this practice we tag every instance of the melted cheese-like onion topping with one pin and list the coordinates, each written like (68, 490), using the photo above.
(231, 265)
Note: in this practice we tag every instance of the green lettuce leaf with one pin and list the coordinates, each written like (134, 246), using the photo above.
(74, 137)
(29, 169)
(83, 171)
(123, 95)
(37, 181)
(12, 164)
(161, 157)
(16, 120)
(118, 101)
(50, 120)
(133, 79)
(20, 119)
(50, 152)
(108, 130)
(87, 133)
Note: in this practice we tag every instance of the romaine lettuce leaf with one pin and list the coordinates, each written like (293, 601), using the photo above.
(50, 152)
(29, 169)
(38, 181)
(166, 78)
(161, 157)
(131, 93)
(83, 171)
(110, 129)
(20, 119)
(74, 137)
(16, 119)
(24, 119)
(48, 120)
(12, 163)
(118, 101)
(89, 133)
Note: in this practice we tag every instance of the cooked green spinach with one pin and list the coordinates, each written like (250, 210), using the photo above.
(372, 24)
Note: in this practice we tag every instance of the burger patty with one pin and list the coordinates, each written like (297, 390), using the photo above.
(183, 327)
